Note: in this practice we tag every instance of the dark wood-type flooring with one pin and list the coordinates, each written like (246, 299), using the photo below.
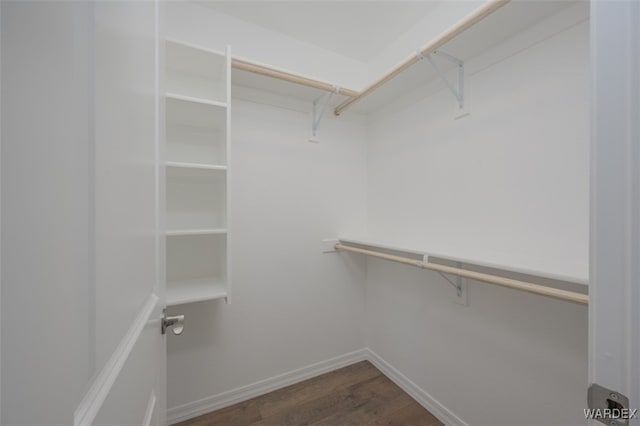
(355, 395)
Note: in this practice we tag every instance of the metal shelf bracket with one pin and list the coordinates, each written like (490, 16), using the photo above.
(460, 284)
(318, 113)
(457, 93)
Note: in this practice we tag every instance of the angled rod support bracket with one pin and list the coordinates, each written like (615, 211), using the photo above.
(458, 92)
(457, 284)
(319, 110)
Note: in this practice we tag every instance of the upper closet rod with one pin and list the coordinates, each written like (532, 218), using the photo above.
(443, 38)
(292, 78)
(570, 296)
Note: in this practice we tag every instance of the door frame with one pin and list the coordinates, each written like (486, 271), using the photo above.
(614, 291)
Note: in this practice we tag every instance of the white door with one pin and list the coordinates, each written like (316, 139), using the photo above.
(81, 258)
(614, 293)
(128, 348)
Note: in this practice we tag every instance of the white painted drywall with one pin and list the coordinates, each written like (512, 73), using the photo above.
(504, 182)
(443, 16)
(508, 184)
(45, 190)
(292, 307)
(207, 27)
(486, 187)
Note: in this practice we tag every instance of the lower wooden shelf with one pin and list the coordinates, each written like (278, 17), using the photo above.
(190, 291)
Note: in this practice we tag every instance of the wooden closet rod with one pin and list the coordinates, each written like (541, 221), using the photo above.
(435, 44)
(478, 276)
(292, 78)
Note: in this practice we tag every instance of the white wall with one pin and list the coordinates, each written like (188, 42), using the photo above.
(207, 27)
(291, 307)
(443, 16)
(507, 184)
(484, 187)
(502, 183)
(45, 190)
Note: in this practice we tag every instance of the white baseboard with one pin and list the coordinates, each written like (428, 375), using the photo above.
(244, 393)
(443, 414)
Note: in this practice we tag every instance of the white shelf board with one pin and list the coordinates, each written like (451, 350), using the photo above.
(520, 269)
(180, 43)
(502, 25)
(191, 112)
(200, 166)
(188, 146)
(195, 291)
(202, 231)
(210, 174)
(204, 101)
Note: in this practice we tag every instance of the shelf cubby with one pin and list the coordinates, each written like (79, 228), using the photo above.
(196, 268)
(196, 72)
(195, 132)
(196, 198)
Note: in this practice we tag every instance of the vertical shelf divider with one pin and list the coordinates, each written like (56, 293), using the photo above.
(228, 181)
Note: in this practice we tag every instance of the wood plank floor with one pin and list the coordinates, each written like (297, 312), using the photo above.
(355, 395)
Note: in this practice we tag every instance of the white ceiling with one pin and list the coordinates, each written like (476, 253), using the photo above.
(332, 24)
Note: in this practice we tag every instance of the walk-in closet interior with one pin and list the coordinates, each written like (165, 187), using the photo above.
(226, 198)
(503, 190)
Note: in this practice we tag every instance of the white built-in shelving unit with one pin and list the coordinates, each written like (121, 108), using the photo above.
(197, 138)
